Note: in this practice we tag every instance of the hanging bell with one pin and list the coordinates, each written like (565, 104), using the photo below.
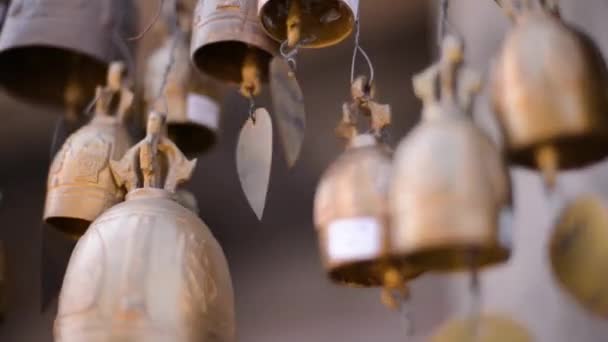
(147, 269)
(57, 52)
(308, 23)
(450, 187)
(549, 94)
(80, 184)
(193, 118)
(578, 253)
(487, 328)
(228, 42)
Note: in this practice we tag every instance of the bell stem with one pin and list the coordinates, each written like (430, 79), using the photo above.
(294, 24)
(547, 160)
(251, 84)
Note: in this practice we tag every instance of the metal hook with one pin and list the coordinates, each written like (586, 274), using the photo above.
(359, 49)
(154, 20)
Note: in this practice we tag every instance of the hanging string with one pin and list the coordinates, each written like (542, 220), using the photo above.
(177, 35)
(151, 24)
(443, 21)
(358, 49)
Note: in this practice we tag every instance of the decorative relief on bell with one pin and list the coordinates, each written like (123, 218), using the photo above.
(449, 185)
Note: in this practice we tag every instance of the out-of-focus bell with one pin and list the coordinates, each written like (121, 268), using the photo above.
(146, 246)
(80, 184)
(450, 186)
(229, 43)
(578, 252)
(487, 328)
(193, 118)
(56, 52)
(553, 117)
(308, 23)
(350, 207)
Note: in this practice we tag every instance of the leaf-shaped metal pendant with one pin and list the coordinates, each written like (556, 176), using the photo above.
(288, 103)
(254, 158)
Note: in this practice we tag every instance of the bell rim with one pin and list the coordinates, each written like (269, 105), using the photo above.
(370, 272)
(455, 257)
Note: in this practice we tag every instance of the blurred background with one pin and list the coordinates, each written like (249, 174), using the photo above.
(281, 291)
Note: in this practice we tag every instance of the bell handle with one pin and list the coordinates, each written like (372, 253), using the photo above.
(180, 169)
(425, 86)
(469, 86)
(452, 56)
(347, 128)
(126, 101)
(381, 117)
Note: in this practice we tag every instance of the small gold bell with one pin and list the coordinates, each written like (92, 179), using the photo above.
(80, 184)
(57, 52)
(488, 328)
(549, 94)
(449, 185)
(308, 23)
(229, 43)
(350, 208)
(578, 252)
(146, 246)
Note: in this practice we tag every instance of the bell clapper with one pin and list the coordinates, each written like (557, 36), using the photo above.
(547, 160)
(251, 84)
(395, 295)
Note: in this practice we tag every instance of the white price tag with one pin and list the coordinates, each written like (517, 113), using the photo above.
(355, 238)
(204, 110)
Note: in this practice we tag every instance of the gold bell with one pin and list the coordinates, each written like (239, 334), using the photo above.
(550, 99)
(228, 43)
(450, 185)
(80, 184)
(308, 23)
(487, 328)
(57, 52)
(192, 118)
(146, 246)
(578, 252)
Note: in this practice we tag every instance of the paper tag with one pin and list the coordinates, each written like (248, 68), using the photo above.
(355, 238)
(204, 110)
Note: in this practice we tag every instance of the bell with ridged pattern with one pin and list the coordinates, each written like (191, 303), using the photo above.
(450, 187)
(549, 93)
(148, 269)
(80, 185)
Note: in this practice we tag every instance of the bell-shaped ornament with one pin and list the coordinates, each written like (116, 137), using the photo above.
(229, 43)
(450, 187)
(487, 328)
(308, 23)
(57, 52)
(578, 254)
(192, 117)
(148, 269)
(80, 185)
(549, 94)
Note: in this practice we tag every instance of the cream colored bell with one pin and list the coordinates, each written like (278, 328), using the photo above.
(308, 23)
(450, 186)
(578, 254)
(148, 269)
(80, 184)
(549, 94)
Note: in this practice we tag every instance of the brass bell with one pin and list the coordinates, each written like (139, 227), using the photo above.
(308, 23)
(549, 94)
(57, 52)
(80, 184)
(450, 185)
(578, 254)
(229, 43)
(148, 269)
(487, 328)
(192, 118)
(350, 207)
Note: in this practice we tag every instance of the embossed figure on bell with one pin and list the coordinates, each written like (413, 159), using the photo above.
(148, 269)
(577, 250)
(57, 52)
(229, 43)
(549, 93)
(351, 209)
(308, 23)
(80, 185)
(450, 187)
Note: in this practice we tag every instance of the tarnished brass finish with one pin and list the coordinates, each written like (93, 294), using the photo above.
(578, 252)
(489, 328)
(56, 52)
(148, 269)
(227, 36)
(80, 184)
(549, 94)
(450, 184)
(193, 119)
(319, 23)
